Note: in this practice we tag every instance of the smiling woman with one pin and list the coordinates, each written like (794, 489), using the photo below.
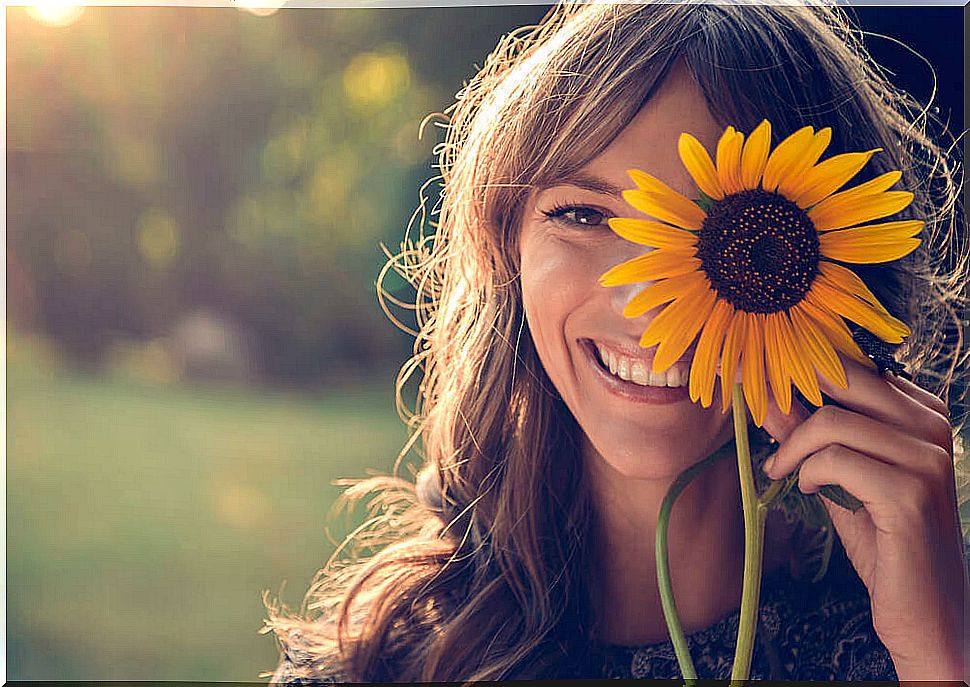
(552, 428)
(565, 256)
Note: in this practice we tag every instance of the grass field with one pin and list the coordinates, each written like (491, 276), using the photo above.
(144, 521)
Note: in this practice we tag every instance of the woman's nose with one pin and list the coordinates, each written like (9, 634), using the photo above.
(624, 293)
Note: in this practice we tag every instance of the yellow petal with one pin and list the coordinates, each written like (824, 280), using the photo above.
(755, 155)
(873, 187)
(819, 349)
(840, 278)
(684, 327)
(830, 175)
(872, 242)
(843, 278)
(729, 160)
(795, 361)
(887, 328)
(836, 332)
(676, 202)
(704, 365)
(777, 372)
(738, 143)
(875, 251)
(654, 234)
(795, 175)
(877, 185)
(663, 292)
(731, 356)
(753, 368)
(673, 318)
(667, 206)
(647, 182)
(657, 264)
(700, 166)
(839, 211)
(784, 156)
(891, 231)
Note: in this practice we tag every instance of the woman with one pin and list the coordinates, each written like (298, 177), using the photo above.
(525, 550)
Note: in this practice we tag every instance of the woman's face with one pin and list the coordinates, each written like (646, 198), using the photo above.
(566, 244)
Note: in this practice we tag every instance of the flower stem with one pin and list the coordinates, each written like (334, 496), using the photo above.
(677, 636)
(755, 511)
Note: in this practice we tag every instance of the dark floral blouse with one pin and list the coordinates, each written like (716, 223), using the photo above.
(806, 631)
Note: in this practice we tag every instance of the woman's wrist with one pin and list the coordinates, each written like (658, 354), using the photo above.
(933, 651)
(945, 665)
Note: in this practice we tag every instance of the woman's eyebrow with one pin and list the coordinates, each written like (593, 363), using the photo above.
(586, 181)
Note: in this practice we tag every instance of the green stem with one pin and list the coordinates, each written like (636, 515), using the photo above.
(771, 492)
(677, 636)
(755, 511)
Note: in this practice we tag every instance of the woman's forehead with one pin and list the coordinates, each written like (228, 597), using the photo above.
(650, 141)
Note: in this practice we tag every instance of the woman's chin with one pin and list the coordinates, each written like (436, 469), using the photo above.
(656, 454)
(640, 441)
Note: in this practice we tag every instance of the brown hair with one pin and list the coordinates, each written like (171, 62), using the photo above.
(480, 569)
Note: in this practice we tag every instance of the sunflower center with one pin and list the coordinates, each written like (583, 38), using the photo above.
(759, 250)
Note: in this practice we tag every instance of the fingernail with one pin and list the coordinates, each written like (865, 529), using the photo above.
(769, 466)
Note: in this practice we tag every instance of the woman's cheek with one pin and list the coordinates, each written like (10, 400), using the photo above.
(558, 284)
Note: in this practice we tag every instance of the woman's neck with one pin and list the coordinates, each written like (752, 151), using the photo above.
(706, 552)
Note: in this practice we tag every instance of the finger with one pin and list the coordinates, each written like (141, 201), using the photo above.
(930, 400)
(869, 393)
(884, 443)
(891, 496)
(779, 425)
(934, 424)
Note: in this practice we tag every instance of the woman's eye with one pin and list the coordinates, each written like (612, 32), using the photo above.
(577, 214)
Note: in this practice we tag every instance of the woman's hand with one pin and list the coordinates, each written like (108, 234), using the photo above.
(891, 447)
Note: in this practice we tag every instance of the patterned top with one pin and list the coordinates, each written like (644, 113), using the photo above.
(806, 631)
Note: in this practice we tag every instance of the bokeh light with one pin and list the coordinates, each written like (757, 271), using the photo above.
(376, 78)
(158, 238)
(261, 8)
(239, 505)
(54, 13)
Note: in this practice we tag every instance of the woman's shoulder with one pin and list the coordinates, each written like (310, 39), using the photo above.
(301, 665)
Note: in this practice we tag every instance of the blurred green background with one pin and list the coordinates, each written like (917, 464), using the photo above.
(196, 200)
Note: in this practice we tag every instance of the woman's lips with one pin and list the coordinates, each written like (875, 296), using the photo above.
(655, 395)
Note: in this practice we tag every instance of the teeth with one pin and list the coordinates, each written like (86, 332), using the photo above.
(623, 369)
(632, 370)
(639, 374)
(673, 376)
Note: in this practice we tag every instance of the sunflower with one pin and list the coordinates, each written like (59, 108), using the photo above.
(753, 267)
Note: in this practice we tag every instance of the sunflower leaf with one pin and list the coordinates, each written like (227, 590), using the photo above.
(704, 201)
(840, 496)
(810, 511)
(797, 505)
(823, 556)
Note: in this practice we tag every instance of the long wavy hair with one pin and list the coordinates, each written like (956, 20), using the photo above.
(477, 565)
